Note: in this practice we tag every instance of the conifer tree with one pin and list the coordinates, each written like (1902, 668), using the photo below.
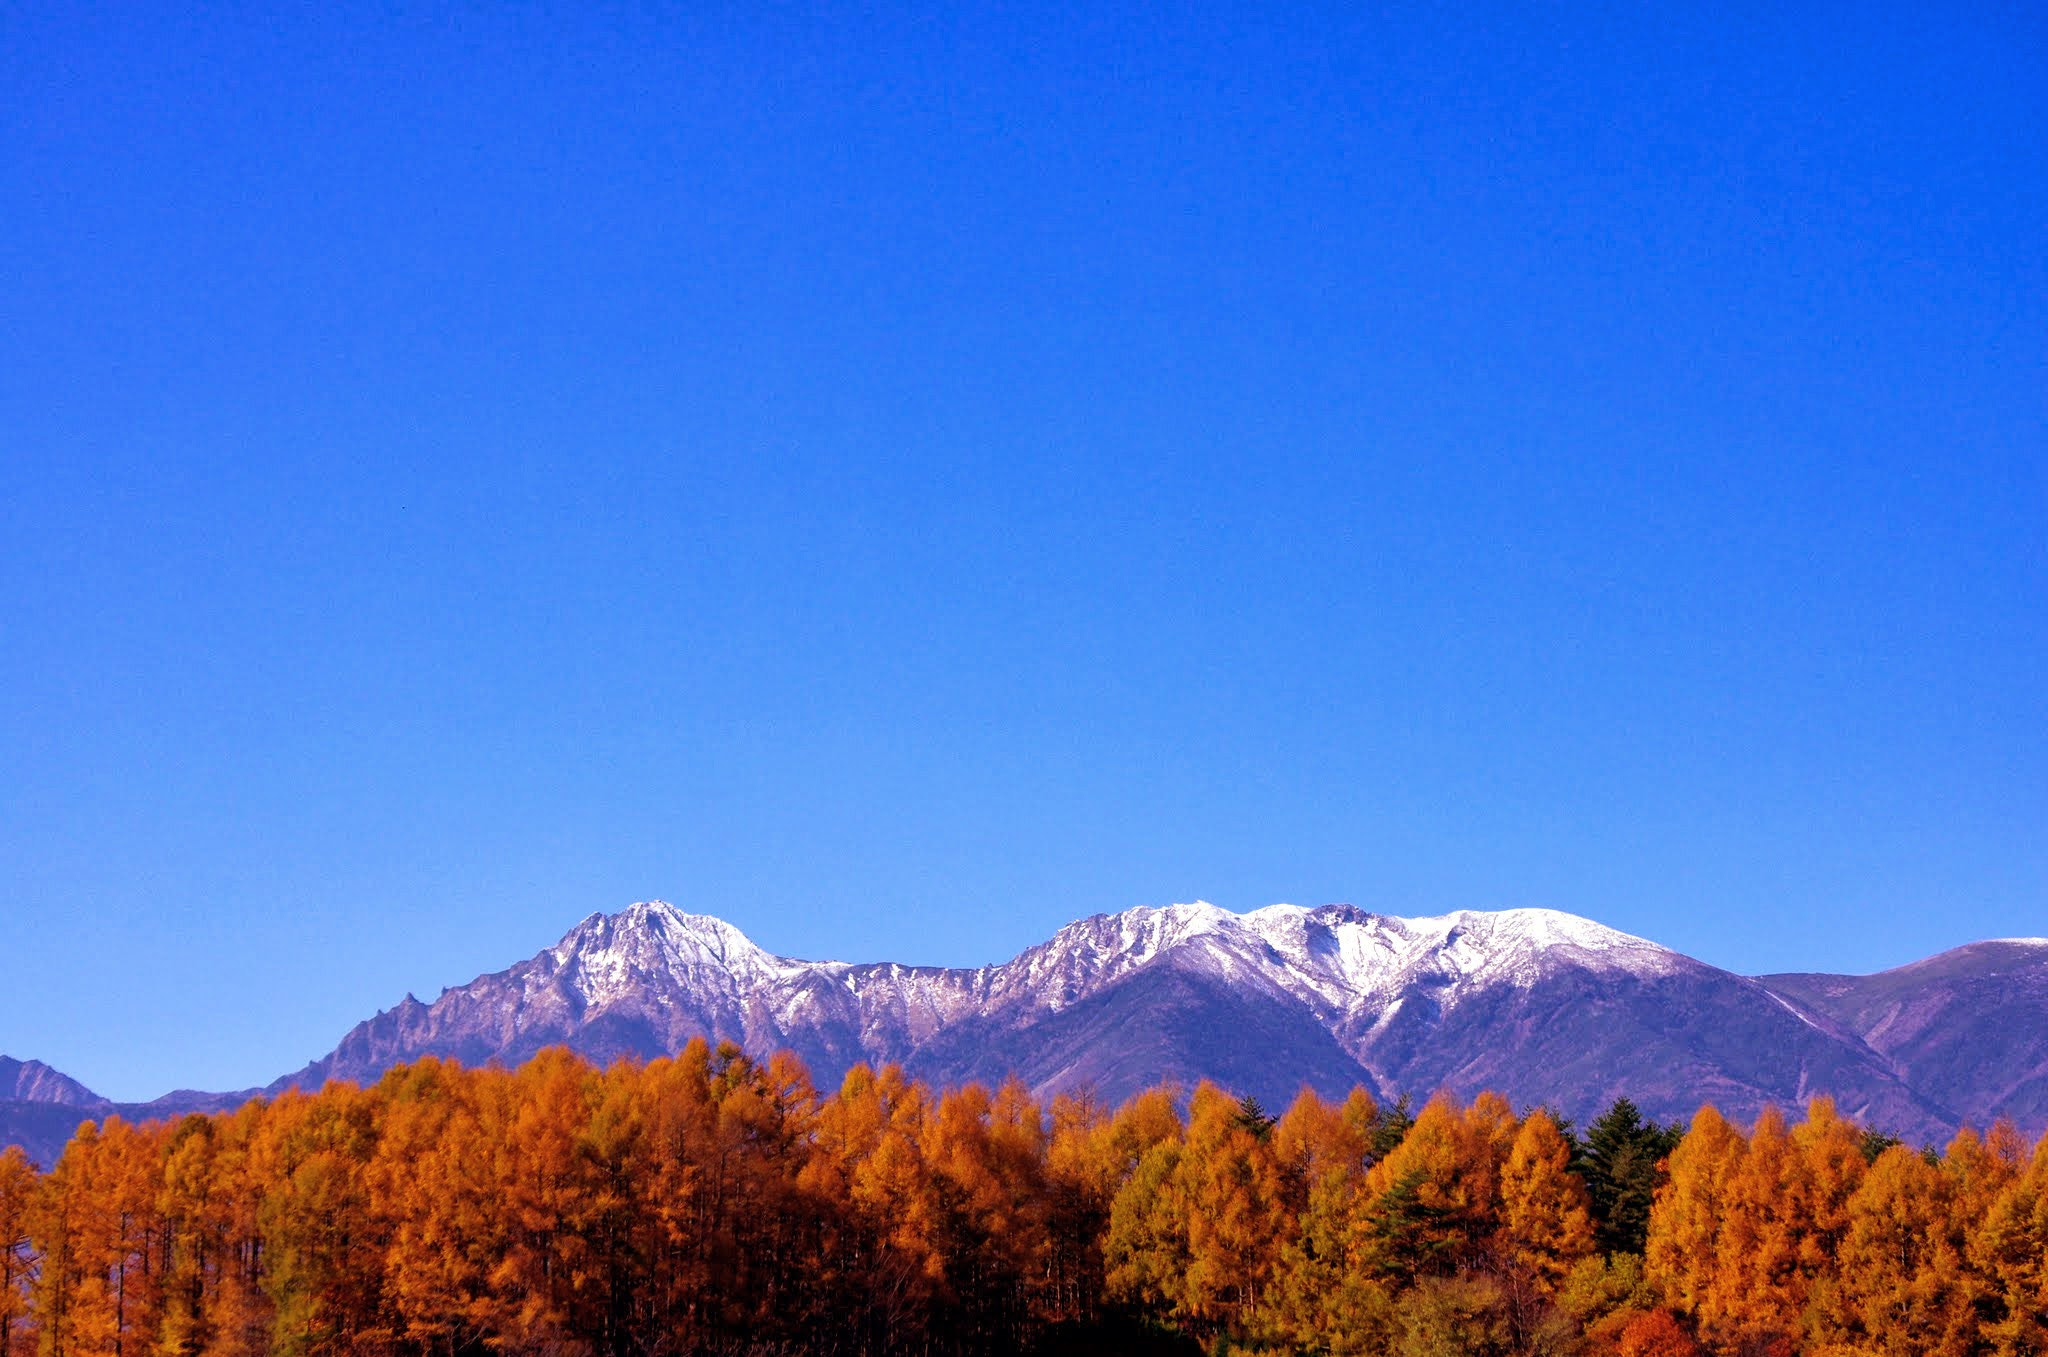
(984, 1155)
(1979, 1168)
(224, 1196)
(1545, 1217)
(1681, 1255)
(1081, 1179)
(2009, 1252)
(1622, 1159)
(1133, 1157)
(323, 1257)
(1896, 1286)
(1236, 1203)
(1322, 1301)
(18, 1184)
(425, 1187)
(713, 1203)
(1145, 1252)
(1831, 1167)
(1435, 1195)
(1760, 1264)
(193, 1253)
(543, 1279)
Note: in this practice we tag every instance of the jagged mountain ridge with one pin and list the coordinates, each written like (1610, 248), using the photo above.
(643, 981)
(1545, 1006)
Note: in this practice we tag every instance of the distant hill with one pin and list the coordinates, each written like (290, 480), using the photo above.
(31, 1081)
(40, 1107)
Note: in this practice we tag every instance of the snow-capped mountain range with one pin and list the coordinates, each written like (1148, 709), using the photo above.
(645, 980)
(1540, 1005)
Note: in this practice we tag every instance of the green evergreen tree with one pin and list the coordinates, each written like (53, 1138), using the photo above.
(1390, 1127)
(1622, 1155)
(1406, 1236)
(1874, 1142)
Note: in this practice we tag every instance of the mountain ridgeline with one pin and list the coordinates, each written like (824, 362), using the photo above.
(1543, 1007)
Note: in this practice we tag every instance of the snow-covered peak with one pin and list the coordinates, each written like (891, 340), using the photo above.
(653, 941)
(702, 938)
(1146, 931)
(1529, 931)
(1519, 944)
(1337, 957)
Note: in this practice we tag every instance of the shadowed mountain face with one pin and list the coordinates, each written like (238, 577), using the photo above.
(1541, 1006)
(1968, 1028)
(1576, 1042)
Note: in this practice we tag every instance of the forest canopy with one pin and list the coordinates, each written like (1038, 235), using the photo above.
(712, 1203)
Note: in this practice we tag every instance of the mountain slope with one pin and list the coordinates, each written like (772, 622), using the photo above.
(1967, 1027)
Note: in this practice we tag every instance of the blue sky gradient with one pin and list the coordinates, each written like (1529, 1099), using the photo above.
(904, 480)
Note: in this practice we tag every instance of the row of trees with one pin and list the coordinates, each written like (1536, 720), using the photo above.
(715, 1204)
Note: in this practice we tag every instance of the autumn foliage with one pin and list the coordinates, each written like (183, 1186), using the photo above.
(712, 1203)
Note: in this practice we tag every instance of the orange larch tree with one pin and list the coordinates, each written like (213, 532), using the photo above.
(323, 1256)
(1546, 1217)
(715, 1203)
(1236, 1210)
(1433, 1199)
(2009, 1252)
(19, 1183)
(1682, 1255)
(1895, 1285)
(1323, 1300)
(426, 1188)
(1082, 1175)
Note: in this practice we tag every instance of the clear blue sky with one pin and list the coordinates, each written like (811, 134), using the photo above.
(904, 480)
